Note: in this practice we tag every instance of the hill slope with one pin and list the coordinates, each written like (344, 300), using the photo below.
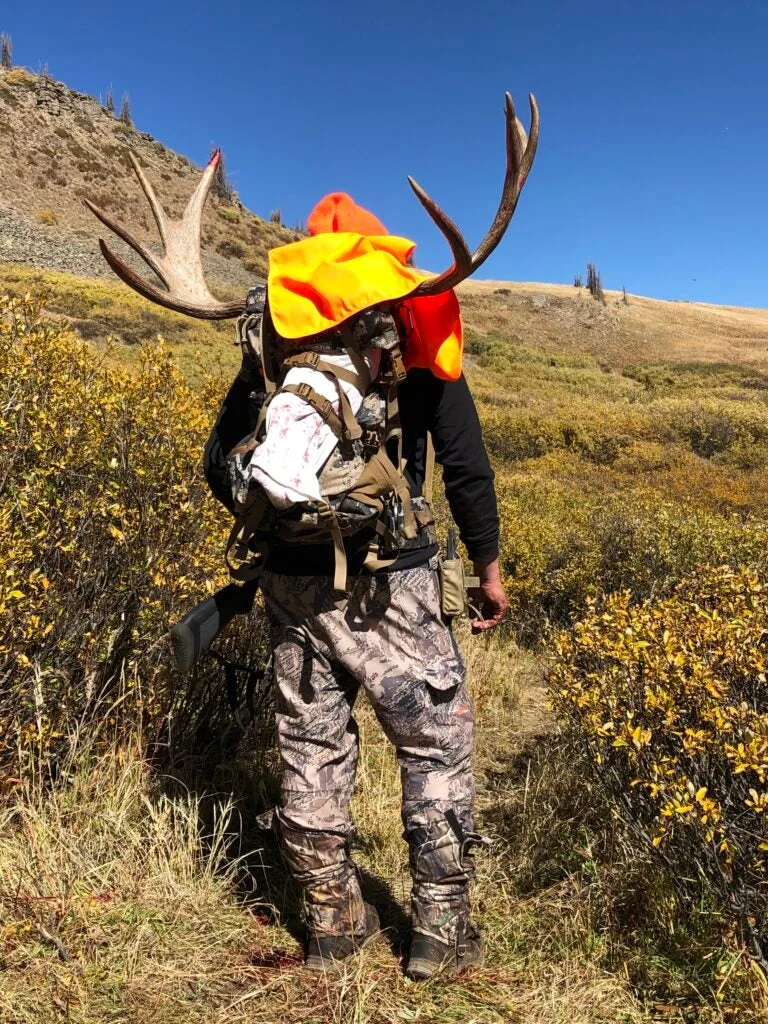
(567, 320)
(58, 146)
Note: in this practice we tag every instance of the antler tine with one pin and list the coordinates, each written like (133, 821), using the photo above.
(157, 211)
(194, 209)
(461, 255)
(521, 150)
(143, 250)
(180, 266)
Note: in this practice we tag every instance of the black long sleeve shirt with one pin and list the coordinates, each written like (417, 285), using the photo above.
(446, 410)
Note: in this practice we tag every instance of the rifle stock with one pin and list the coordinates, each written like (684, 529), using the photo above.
(194, 634)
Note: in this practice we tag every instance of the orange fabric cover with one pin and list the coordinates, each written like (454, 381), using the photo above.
(339, 212)
(319, 282)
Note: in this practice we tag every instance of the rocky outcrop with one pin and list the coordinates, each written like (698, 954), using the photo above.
(58, 146)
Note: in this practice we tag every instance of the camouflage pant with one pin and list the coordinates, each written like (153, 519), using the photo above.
(391, 640)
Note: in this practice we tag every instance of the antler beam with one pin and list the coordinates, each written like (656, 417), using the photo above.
(180, 266)
(521, 149)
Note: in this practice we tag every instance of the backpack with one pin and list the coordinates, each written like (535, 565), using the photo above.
(358, 486)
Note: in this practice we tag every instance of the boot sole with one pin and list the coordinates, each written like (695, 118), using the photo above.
(419, 969)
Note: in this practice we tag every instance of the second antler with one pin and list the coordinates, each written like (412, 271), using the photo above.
(180, 266)
(521, 149)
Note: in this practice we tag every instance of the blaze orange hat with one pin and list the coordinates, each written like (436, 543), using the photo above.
(339, 212)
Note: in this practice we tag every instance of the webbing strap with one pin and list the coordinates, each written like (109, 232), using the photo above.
(350, 346)
(316, 361)
(429, 469)
(372, 561)
(352, 429)
(320, 404)
(243, 530)
(343, 424)
(327, 517)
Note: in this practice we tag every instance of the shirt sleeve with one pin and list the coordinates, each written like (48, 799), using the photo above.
(447, 410)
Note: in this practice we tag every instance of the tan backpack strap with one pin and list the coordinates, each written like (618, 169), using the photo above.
(429, 469)
(344, 424)
(358, 362)
(352, 429)
(316, 361)
(327, 517)
(372, 561)
(320, 404)
(241, 533)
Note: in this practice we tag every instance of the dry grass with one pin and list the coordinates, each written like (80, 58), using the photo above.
(564, 320)
(136, 913)
(116, 321)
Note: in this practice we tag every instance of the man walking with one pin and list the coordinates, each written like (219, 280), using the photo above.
(391, 640)
(388, 636)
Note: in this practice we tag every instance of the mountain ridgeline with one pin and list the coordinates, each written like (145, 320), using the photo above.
(58, 146)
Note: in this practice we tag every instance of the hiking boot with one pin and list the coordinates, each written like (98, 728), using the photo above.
(325, 951)
(429, 955)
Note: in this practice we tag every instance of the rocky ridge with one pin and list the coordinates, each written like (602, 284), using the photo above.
(58, 146)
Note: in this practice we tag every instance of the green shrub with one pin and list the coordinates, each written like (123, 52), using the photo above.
(563, 546)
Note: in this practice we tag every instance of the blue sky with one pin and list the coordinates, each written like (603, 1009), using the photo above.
(654, 141)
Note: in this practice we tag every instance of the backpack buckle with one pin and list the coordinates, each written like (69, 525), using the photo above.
(371, 440)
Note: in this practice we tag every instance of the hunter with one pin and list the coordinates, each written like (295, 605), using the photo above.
(388, 634)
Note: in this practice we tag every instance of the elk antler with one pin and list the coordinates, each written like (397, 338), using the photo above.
(521, 150)
(180, 267)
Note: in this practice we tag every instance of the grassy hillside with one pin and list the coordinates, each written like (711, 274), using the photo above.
(568, 321)
(59, 146)
(116, 321)
(630, 444)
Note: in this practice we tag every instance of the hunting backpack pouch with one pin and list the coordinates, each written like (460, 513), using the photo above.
(453, 581)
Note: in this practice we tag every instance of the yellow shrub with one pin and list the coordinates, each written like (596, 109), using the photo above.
(107, 532)
(670, 699)
(564, 544)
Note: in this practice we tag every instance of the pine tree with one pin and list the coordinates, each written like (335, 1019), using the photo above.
(5, 44)
(109, 104)
(125, 111)
(594, 284)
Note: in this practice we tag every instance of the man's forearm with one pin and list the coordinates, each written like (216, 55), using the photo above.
(487, 572)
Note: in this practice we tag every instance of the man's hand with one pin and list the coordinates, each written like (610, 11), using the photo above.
(489, 597)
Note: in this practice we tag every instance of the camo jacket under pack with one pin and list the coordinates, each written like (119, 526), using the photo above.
(391, 640)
